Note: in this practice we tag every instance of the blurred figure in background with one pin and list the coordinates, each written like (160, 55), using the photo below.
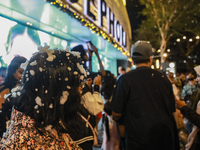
(123, 71)
(3, 73)
(182, 131)
(119, 70)
(190, 86)
(178, 82)
(192, 113)
(111, 135)
(13, 77)
(187, 91)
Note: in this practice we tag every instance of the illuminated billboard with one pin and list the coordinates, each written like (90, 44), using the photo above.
(17, 39)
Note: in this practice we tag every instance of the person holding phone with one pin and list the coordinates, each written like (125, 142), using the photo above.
(92, 48)
(83, 53)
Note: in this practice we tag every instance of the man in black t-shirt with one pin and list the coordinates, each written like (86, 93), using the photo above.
(145, 98)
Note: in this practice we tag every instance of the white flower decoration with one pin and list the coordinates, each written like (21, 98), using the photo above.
(14, 94)
(32, 72)
(6, 95)
(38, 101)
(68, 87)
(67, 54)
(40, 69)
(49, 52)
(67, 49)
(38, 111)
(36, 107)
(18, 93)
(75, 72)
(43, 49)
(76, 54)
(64, 97)
(81, 77)
(51, 105)
(81, 68)
(69, 68)
(16, 89)
(34, 63)
(49, 127)
(66, 79)
(51, 57)
(46, 91)
(24, 65)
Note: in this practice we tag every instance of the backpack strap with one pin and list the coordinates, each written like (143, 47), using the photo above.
(93, 130)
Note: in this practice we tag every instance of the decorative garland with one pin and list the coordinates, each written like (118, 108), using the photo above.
(86, 22)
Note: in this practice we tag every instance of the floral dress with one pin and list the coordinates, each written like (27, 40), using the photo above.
(22, 134)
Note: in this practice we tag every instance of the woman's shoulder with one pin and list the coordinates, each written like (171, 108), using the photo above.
(2, 94)
(4, 91)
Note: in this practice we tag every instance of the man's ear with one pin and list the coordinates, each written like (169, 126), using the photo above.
(151, 60)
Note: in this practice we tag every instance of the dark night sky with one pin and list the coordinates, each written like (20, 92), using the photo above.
(133, 8)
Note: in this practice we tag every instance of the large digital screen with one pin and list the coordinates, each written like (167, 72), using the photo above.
(18, 39)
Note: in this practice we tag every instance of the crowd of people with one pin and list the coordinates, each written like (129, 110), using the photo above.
(54, 101)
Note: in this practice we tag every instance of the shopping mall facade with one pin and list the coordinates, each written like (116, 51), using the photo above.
(27, 24)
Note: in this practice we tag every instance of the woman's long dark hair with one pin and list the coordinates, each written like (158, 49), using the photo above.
(49, 81)
(10, 82)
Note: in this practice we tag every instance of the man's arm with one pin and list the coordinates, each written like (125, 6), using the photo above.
(103, 72)
(116, 116)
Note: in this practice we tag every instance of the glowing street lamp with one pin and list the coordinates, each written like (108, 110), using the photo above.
(184, 37)
(178, 40)
(197, 37)
(168, 50)
(157, 63)
(165, 55)
(158, 51)
(190, 39)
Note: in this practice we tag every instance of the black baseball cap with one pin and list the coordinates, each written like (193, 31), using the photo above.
(141, 50)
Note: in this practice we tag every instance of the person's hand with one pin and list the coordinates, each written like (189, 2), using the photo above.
(180, 104)
(89, 82)
(95, 50)
(97, 80)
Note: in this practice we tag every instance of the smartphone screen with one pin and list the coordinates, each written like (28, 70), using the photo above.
(90, 45)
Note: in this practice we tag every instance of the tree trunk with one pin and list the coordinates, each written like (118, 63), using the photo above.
(162, 50)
